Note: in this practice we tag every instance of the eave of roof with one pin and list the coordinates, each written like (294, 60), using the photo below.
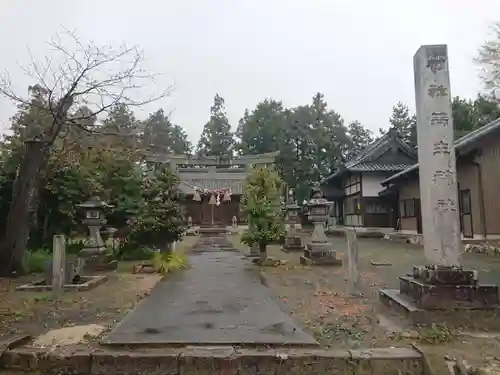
(460, 143)
(365, 155)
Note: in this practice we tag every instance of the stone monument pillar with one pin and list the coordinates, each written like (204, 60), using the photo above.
(442, 283)
(293, 241)
(319, 251)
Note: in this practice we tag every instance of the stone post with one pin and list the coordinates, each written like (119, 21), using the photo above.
(293, 241)
(436, 155)
(442, 283)
(352, 255)
(58, 266)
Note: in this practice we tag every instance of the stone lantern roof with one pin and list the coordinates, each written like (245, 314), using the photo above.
(95, 203)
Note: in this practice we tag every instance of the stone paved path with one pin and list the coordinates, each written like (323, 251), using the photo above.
(219, 300)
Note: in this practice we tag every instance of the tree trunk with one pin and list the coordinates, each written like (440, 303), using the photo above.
(24, 196)
(263, 251)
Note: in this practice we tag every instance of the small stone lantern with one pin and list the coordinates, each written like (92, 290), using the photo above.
(94, 247)
(319, 251)
(293, 242)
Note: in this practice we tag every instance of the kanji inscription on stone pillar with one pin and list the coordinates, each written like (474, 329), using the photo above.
(437, 165)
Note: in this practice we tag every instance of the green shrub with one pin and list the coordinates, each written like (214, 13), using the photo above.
(161, 220)
(169, 262)
(135, 253)
(34, 260)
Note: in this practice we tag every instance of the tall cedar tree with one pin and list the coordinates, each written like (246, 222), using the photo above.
(216, 138)
(160, 135)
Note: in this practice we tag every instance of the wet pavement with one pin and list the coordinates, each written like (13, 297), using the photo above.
(219, 300)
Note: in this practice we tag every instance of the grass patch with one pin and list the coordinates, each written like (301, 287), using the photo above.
(164, 263)
(436, 334)
(34, 260)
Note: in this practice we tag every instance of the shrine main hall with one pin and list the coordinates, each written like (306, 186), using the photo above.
(212, 185)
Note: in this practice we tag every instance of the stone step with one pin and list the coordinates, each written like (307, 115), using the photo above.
(205, 360)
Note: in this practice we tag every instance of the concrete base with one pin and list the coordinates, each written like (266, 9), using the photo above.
(442, 288)
(332, 261)
(449, 296)
(89, 282)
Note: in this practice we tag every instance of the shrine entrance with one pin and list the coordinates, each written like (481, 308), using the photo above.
(212, 185)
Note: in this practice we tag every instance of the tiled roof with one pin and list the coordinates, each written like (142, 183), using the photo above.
(460, 143)
(378, 167)
(365, 161)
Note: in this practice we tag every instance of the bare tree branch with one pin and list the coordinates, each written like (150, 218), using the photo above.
(98, 77)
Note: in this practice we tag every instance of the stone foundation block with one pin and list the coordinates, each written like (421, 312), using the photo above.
(163, 362)
(439, 296)
(332, 261)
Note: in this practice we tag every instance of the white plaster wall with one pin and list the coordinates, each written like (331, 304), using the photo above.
(371, 184)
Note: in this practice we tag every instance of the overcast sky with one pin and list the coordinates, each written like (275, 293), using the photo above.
(357, 52)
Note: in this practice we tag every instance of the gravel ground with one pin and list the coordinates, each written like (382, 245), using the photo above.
(318, 298)
(35, 313)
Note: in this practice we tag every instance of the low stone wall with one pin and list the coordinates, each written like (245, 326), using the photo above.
(213, 360)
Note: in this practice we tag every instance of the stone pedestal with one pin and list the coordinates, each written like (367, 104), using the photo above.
(95, 255)
(292, 243)
(320, 255)
(442, 288)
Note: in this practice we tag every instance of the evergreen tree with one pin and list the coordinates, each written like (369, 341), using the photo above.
(359, 138)
(160, 135)
(259, 131)
(216, 138)
(262, 205)
(404, 123)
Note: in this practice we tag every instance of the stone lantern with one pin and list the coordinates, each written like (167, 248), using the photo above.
(94, 248)
(293, 241)
(319, 251)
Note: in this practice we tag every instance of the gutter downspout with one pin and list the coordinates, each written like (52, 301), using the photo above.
(482, 209)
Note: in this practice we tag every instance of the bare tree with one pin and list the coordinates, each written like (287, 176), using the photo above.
(489, 60)
(77, 74)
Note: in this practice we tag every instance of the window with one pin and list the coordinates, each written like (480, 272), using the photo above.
(464, 196)
(375, 207)
(407, 208)
(352, 184)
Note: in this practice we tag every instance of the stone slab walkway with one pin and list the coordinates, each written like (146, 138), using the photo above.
(219, 300)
